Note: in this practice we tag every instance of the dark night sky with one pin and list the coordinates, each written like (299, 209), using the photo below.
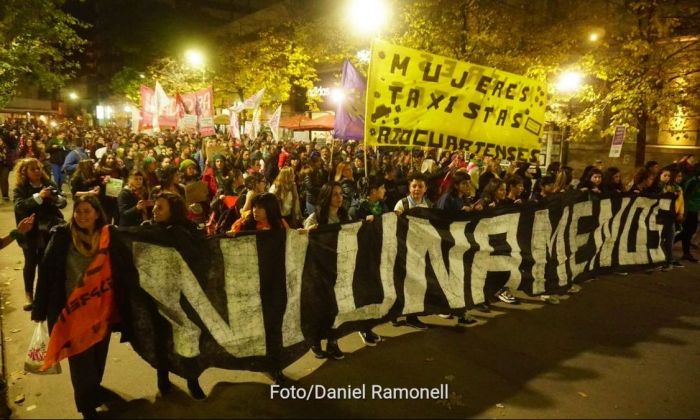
(135, 32)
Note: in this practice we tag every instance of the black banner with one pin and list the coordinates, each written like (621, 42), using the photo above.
(257, 302)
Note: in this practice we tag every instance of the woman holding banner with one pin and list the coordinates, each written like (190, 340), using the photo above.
(329, 210)
(77, 263)
(170, 212)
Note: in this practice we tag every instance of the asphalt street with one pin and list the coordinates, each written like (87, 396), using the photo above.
(624, 347)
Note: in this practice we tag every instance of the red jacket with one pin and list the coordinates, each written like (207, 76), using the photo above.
(209, 176)
(284, 156)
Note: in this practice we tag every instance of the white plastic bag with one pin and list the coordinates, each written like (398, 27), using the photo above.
(36, 353)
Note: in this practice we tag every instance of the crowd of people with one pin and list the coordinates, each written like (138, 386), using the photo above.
(221, 186)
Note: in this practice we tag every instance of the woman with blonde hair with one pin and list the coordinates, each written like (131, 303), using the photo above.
(35, 194)
(285, 189)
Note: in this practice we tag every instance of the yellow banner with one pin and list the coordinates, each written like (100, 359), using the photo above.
(424, 100)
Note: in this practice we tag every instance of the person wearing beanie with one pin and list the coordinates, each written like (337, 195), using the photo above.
(189, 171)
(149, 173)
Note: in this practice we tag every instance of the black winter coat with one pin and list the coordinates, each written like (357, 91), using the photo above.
(47, 214)
(129, 215)
(50, 297)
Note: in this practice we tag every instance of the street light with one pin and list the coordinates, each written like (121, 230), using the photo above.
(337, 95)
(364, 56)
(568, 83)
(367, 16)
(195, 59)
(594, 36)
(73, 96)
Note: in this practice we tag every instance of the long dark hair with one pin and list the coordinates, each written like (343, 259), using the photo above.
(586, 182)
(457, 179)
(489, 194)
(269, 202)
(178, 208)
(85, 242)
(323, 205)
(166, 176)
(608, 184)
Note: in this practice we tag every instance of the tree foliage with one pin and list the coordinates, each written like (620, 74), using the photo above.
(277, 60)
(37, 41)
(644, 67)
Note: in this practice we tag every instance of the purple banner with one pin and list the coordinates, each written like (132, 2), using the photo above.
(350, 116)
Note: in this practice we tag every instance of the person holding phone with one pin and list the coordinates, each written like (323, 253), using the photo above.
(35, 194)
(134, 205)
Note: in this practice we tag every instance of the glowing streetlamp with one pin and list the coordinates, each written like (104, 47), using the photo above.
(73, 96)
(142, 76)
(569, 82)
(364, 56)
(195, 58)
(367, 16)
(337, 95)
(594, 36)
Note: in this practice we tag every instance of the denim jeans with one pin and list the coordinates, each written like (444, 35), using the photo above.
(57, 175)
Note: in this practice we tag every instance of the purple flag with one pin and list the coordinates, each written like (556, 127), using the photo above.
(350, 116)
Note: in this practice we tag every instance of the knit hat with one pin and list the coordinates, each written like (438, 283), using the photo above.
(186, 163)
(148, 160)
(218, 156)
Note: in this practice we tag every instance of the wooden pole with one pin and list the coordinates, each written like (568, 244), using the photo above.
(366, 159)
(330, 168)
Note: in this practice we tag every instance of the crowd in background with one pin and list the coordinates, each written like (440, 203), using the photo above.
(222, 186)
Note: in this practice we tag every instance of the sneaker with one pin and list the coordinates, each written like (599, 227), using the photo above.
(466, 320)
(370, 338)
(445, 316)
(575, 288)
(483, 307)
(334, 351)
(318, 352)
(622, 273)
(590, 279)
(413, 322)
(666, 267)
(505, 296)
(551, 299)
(688, 257)
(677, 264)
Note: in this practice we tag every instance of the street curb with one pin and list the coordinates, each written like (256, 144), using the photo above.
(5, 411)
